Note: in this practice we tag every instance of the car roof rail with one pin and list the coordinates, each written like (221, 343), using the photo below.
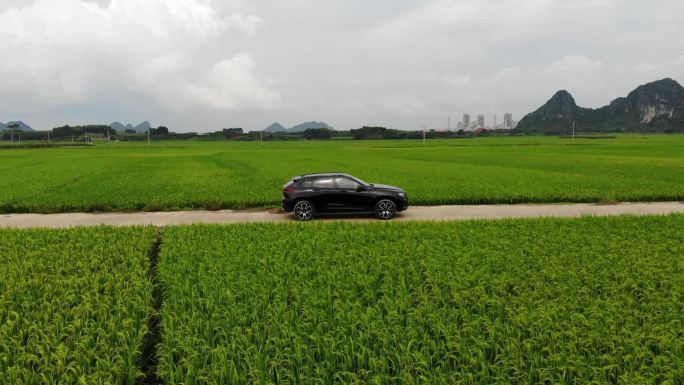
(326, 172)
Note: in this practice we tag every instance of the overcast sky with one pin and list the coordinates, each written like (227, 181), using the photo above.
(199, 65)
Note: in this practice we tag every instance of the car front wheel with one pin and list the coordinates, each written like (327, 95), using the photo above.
(385, 209)
(304, 211)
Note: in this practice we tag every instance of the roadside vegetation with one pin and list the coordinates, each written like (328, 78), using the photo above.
(188, 175)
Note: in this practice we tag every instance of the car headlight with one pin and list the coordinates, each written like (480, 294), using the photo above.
(402, 194)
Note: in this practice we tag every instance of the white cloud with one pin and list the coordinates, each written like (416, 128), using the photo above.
(229, 84)
(399, 63)
(67, 51)
(247, 23)
(475, 22)
(573, 64)
(402, 104)
(447, 79)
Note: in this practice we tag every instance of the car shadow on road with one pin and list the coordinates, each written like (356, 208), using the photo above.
(344, 217)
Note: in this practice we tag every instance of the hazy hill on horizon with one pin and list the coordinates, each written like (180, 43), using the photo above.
(140, 128)
(653, 107)
(22, 126)
(277, 127)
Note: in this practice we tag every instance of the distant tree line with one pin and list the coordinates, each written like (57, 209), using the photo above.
(25, 135)
(68, 131)
(80, 133)
(86, 132)
(318, 133)
(369, 133)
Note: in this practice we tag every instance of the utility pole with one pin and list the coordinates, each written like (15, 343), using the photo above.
(573, 131)
(148, 136)
(48, 136)
(424, 143)
(261, 137)
(12, 127)
(449, 123)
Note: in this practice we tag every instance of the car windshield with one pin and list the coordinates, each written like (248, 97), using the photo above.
(362, 182)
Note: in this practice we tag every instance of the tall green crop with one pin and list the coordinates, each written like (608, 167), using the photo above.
(73, 305)
(591, 300)
(215, 175)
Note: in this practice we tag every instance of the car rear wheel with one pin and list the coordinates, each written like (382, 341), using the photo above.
(385, 209)
(304, 211)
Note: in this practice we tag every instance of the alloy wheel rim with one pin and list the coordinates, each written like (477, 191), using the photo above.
(304, 211)
(385, 209)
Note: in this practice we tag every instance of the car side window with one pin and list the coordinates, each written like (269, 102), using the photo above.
(346, 184)
(307, 184)
(323, 183)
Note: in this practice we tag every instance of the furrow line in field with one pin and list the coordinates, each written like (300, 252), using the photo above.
(149, 357)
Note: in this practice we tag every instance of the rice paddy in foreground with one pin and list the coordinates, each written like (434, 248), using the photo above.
(216, 175)
(562, 301)
(73, 305)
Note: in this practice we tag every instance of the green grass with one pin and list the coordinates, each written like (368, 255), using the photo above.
(215, 175)
(562, 301)
(73, 305)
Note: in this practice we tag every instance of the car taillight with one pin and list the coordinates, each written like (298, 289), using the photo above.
(289, 189)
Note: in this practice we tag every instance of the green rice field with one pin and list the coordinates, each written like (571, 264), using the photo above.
(217, 175)
(74, 305)
(557, 301)
(594, 300)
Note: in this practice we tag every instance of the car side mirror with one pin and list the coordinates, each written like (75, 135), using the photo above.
(360, 188)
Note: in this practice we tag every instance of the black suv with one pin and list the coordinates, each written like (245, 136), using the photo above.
(332, 192)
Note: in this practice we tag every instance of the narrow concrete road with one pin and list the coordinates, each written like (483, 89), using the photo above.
(416, 213)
